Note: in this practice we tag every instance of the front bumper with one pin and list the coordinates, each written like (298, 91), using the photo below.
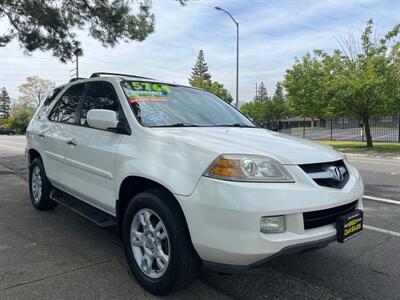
(224, 217)
(289, 250)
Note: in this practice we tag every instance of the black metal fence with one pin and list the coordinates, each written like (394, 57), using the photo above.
(383, 129)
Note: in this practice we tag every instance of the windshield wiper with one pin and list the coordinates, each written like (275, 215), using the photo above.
(236, 125)
(178, 125)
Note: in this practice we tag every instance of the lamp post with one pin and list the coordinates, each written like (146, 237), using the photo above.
(237, 54)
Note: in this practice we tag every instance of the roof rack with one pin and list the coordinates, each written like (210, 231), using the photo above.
(75, 79)
(97, 74)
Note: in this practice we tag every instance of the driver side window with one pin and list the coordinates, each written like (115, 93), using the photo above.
(100, 95)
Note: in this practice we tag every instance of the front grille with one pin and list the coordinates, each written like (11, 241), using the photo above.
(318, 218)
(319, 173)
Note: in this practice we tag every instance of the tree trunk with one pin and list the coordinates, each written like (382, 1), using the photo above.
(367, 131)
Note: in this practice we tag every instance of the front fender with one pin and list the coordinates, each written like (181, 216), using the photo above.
(175, 165)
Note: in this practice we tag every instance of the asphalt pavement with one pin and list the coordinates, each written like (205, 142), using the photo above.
(60, 255)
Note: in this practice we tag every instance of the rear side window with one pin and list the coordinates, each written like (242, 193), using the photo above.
(46, 103)
(100, 95)
(65, 109)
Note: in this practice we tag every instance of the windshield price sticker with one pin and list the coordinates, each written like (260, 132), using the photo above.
(155, 116)
(146, 96)
(147, 92)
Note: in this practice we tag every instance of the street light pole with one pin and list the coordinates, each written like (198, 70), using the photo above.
(237, 54)
(237, 66)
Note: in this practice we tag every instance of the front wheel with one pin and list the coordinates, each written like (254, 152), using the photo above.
(157, 243)
(39, 186)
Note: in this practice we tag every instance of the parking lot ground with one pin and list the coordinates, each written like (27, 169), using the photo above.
(60, 255)
(381, 175)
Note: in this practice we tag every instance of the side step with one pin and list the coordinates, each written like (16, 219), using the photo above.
(97, 216)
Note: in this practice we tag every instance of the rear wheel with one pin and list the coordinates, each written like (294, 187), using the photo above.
(157, 243)
(39, 186)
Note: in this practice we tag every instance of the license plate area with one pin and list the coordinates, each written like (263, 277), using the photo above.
(349, 225)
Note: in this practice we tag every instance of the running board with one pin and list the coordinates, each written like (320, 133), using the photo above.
(97, 216)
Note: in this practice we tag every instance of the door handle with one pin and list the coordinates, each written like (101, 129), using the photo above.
(41, 134)
(72, 142)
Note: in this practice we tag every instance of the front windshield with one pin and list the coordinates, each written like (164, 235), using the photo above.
(163, 105)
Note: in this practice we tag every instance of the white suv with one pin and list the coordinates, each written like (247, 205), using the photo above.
(186, 178)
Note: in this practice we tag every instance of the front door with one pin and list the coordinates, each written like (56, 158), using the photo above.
(91, 155)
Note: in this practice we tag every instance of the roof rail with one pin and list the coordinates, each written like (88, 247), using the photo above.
(75, 79)
(97, 74)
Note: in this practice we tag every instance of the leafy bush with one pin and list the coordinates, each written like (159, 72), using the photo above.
(21, 119)
(3, 122)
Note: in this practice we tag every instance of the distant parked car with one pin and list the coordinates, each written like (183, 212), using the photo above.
(8, 131)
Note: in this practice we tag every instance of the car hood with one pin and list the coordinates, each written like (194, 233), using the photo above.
(258, 141)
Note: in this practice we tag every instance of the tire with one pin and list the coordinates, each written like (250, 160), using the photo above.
(183, 262)
(39, 186)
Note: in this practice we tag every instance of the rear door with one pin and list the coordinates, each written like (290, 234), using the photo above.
(91, 159)
(55, 134)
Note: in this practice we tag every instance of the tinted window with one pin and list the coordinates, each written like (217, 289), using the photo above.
(49, 99)
(157, 105)
(100, 95)
(66, 108)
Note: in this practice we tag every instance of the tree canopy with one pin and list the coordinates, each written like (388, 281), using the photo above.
(5, 103)
(201, 78)
(262, 110)
(52, 25)
(360, 79)
(200, 69)
(34, 90)
(255, 110)
(20, 117)
(279, 95)
(262, 93)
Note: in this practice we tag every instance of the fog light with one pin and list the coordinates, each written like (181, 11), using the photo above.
(274, 224)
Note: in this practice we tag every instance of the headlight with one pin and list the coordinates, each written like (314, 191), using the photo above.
(248, 168)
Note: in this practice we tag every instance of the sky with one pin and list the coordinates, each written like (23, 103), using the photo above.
(272, 34)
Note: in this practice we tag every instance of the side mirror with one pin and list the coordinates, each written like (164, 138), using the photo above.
(102, 119)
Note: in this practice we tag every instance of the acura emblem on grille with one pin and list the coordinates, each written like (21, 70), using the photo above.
(336, 173)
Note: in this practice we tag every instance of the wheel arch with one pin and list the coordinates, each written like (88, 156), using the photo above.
(133, 185)
(32, 154)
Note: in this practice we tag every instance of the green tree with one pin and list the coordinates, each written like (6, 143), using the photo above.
(279, 95)
(200, 69)
(361, 79)
(255, 110)
(278, 107)
(201, 78)
(218, 89)
(34, 90)
(262, 93)
(261, 110)
(21, 117)
(213, 87)
(52, 25)
(304, 84)
(5, 103)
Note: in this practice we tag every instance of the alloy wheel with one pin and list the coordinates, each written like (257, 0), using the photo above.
(150, 243)
(36, 184)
